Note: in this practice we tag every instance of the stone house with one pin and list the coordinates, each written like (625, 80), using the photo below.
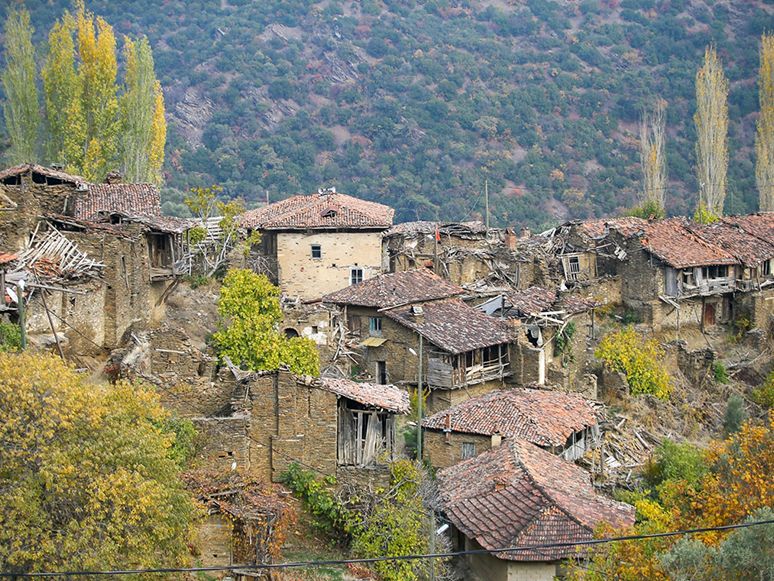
(393, 319)
(262, 422)
(561, 423)
(94, 248)
(320, 243)
(518, 496)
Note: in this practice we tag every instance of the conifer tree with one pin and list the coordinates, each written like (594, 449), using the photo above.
(711, 120)
(764, 139)
(22, 117)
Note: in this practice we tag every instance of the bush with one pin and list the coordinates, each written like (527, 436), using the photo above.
(719, 372)
(626, 351)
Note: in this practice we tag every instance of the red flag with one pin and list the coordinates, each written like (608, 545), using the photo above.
(437, 234)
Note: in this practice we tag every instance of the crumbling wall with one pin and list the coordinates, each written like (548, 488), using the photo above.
(226, 441)
(315, 322)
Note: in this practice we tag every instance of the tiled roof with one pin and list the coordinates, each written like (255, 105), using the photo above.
(536, 299)
(325, 210)
(453, 326)
(760, 225)
(387, 397)
(398, 288)
(673, 242)
(518, 495)
(128, 199)
(748, 248)
(543, 417)
(45, 171)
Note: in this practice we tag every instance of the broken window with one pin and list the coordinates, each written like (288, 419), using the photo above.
(353, 324)
(355, 275)
(381, 372)
(468, 450)
(316, 251)
(366, 437)
(687, 277)
(766, 267)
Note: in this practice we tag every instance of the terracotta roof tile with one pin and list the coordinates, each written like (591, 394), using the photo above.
(519, 495)
(596, 228)
(444, 228)
(387, 397)
(325, 210)
(748, 248)
(399, 288)
(45, 171)
(543, 417)
(453, 326)
(127, 199)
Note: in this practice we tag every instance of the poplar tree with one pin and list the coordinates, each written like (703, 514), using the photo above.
(144, 128)
(653, 157)
(711, 120)
(86, 127)
(63, 95)
(764, 139)
(22, 117)
(97, 73)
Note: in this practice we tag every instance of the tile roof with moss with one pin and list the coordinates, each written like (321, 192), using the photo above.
(544, 417)
(327, 210)
(394, 289)
(518, 495)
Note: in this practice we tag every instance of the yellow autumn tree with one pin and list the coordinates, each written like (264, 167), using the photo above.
(764, 139)
(711, 120)
(87, 481)
(87, 128)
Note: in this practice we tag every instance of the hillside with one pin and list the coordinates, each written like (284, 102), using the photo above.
(417, 105)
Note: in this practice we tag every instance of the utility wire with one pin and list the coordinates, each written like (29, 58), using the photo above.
(536, 548)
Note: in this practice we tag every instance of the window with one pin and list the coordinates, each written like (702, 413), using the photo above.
(766, 267)
(709, 272)
(355, 275)
(366, 437)
(375, 325)
(468, 450)
(381, 372)
(688, 277)
(316, 251)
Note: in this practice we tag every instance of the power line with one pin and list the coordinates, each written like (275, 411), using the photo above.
(536, 548)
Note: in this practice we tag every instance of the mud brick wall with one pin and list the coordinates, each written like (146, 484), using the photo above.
(442, 454)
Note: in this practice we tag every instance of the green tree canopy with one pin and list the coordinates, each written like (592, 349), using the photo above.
(86, 477)
(250, 310)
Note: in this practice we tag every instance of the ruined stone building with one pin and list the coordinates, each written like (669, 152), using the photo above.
(464, 352)
(561, 423)
(265, 421)
(518, 496)
(313, 245)
(104, 252)
(539, 318)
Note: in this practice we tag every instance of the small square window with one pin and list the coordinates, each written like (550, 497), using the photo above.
(468, 450)
(316, 251)
(355, 275)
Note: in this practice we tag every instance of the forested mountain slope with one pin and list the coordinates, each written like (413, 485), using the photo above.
(417, 104)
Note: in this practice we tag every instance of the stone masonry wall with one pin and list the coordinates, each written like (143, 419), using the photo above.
(310, 278)
(442, 455)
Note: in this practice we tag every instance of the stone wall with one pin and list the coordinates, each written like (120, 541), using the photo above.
(226, 441)
(442, 454)
(310, 278)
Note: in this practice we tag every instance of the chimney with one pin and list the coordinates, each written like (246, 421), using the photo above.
(500, 483)
(114, 177)
(497, 439)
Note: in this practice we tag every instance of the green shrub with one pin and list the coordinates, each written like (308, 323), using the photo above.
(719, 372)
(10, 337)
